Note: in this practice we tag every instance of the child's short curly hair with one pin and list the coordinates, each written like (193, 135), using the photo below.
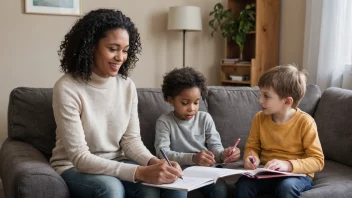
(184, 78)
(287, 81)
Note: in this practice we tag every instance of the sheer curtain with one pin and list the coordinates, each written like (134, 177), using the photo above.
(328, 43)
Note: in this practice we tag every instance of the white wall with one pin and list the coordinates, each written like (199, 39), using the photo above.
(29, 43)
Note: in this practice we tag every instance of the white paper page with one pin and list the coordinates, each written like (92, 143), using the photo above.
(187, 184)
(210, 172)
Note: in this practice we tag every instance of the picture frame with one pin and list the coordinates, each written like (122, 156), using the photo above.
(53, 7)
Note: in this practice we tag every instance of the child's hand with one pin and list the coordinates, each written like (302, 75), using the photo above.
(230, 155)
(279, 165)
(204, 158)
(248, 163)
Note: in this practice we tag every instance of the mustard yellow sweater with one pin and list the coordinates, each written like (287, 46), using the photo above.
(295, 140)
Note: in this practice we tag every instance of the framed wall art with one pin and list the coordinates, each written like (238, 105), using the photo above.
(55, 7)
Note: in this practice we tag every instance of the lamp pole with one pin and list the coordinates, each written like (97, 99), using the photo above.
(184, 48)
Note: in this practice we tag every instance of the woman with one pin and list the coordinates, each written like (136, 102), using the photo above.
(95, 109)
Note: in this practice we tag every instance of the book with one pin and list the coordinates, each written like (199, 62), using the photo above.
(263, 173)
(237, 78)
(243, 62)
(198, 176)
(229, 60)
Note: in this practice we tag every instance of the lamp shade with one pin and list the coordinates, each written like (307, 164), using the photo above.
(184, 18)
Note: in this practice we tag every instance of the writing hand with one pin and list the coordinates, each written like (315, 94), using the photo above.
(159, 173)
(177, 166)
(230, 154)
(204, 158)
(249, 163)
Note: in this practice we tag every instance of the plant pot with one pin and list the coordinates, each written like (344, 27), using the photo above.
(241, 56)
(241, 52)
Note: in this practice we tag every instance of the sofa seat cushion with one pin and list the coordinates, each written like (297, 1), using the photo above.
(335, 179)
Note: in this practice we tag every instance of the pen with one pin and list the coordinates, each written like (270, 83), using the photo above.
(167, 159)
(252, 159)
(234, 147)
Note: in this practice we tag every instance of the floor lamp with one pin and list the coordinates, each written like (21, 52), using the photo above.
(184, 18)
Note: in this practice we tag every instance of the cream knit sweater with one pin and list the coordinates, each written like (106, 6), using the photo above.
(97, 125)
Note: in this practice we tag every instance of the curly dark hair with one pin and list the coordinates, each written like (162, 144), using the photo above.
(184, 78)
(76, 50)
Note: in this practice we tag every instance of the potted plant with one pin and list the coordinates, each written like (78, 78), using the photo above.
(231, 26)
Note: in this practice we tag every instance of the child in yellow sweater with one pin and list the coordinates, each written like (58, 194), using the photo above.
(282, 137)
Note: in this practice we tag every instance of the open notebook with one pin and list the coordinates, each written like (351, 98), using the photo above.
(198, 176)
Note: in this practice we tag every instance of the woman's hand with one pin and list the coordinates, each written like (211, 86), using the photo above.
(174, 164)
(158, 172)
(204, 158)
(249, 163)
(230, 155)
(279, 165)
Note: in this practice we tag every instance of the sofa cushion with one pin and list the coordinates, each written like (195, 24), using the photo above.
(151, 105)
(310, 100)
(31, 118)
(334, 180)
(333, 117)
(233, 109)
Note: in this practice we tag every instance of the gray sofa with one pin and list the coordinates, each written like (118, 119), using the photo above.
(25, 171)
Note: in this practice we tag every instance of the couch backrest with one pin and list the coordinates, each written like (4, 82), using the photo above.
(31, 120)
(233, 109)
(334, 119)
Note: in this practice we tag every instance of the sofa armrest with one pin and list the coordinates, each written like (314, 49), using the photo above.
(26, 173)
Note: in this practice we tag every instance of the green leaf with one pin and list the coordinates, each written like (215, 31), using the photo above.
(242, 23)
(223, 34)
(230, 25)
(220, 6)
(252, 16)
(216, 15)
(211, 23)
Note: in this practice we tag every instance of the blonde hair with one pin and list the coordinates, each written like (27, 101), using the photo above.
(287, 81)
